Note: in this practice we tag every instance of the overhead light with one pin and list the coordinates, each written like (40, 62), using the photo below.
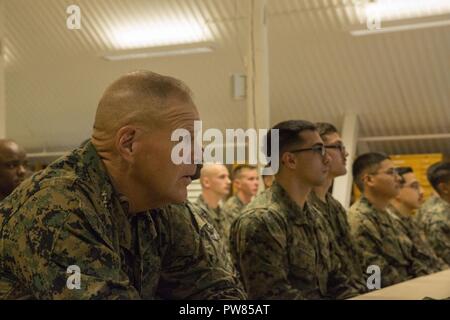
(404, 27)
(157, 52)
(387, 10)
(148, 33)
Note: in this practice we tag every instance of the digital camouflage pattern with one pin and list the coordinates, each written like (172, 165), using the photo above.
(69, 214)
(420, 249)
(382, 244)
(349, 254)
(231, 210)
(283, 252)
(434, 219)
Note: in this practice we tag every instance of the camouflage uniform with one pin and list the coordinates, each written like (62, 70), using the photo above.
(282, 251)
(216, 217)
(335, 218)
(421, 250)
(434, 218)
(231, 210)
(70, 214)
(383, 244)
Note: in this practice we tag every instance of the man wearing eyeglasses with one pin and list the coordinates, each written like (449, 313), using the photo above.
(13, 162)
(279, 242)
(434, 215)
(372, 226)
(402, 209)
(334, 214)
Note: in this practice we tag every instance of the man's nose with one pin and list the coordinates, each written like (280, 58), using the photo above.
(21, 170)
(326, 159)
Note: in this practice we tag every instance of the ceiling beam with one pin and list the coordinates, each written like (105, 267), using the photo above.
(406, 137)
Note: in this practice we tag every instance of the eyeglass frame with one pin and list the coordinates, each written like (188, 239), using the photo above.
(339, 146)
(315, 148)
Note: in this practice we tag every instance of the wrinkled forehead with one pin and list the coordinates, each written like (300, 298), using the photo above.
(178, 114)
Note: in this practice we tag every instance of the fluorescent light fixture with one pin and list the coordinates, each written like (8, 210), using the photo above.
(157, 52)
(405, 27)
(148, 33)
(387, 10)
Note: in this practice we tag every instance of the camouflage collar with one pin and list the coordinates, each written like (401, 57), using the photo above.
(237, 201)
(92, 170)
(284, 203)
(438, 200)
(382, 216)
(201, 201)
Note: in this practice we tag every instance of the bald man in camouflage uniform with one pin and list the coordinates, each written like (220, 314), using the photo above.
(279, 242)
(98, 209)
(215, 182)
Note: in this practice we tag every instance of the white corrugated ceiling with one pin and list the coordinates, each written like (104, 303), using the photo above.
(398, 83)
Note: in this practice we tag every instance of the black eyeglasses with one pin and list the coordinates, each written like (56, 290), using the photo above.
(320, 149)
(339, 146)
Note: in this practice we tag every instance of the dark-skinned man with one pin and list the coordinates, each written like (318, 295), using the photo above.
(13, 163)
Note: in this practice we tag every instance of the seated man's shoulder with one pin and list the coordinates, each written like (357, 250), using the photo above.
(360, 215)
(262, 212)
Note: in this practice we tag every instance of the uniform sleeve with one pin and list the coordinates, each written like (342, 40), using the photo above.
(196, 265)
(260, 254)
(439, 238)
(49, 234)
(371, 245)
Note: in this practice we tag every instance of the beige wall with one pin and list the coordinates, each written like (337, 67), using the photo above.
(2, 76)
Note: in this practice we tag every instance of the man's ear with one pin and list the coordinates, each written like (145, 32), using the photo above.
(368, 180)
(206, 183)
(289, 160)
(125, 138)
(236, 184)
(444, 188)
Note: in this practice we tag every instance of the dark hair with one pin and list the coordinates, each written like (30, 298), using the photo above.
(402, 171)
(438, 173)
(289, 134)
(366, 162)
(325, 128)
(239, 168)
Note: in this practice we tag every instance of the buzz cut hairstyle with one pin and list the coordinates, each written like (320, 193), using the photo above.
(438, 173)
(236, 172)
(402, 171)
(364, 163)
(289, 135)
(325, 128)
